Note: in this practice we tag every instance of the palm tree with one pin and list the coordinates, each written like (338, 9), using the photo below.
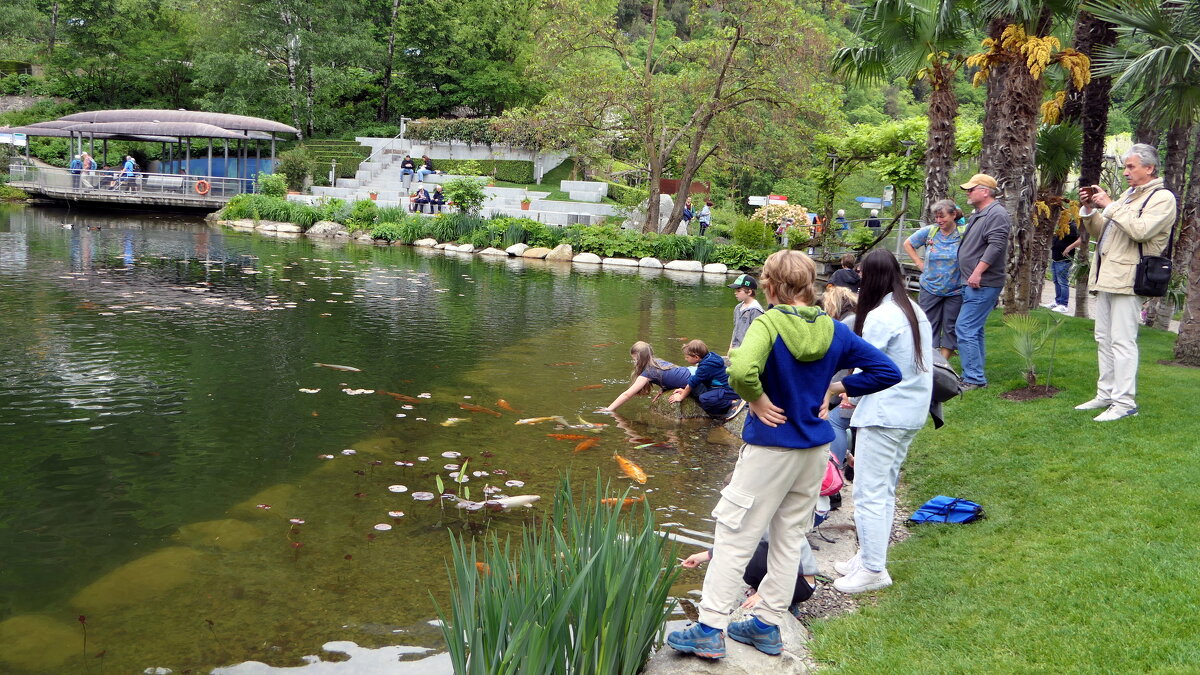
(1158, 57)
(1020, 47)
(916, 39)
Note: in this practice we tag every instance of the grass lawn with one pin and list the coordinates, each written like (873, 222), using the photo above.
(550, 183)
(1089, 558)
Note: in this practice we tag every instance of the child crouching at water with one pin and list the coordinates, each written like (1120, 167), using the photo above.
(648, 371)
(782, 369)
(710, 383)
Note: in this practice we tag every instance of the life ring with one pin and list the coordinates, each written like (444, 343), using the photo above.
(202, 187)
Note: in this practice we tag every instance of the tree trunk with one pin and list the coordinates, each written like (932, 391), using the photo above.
(1146, 132)
(939, 143)
(1187, 346)
(387, 67)
(1090, 33)
(656, 169)
(1009, 141)
(308, 98)
(53, 31)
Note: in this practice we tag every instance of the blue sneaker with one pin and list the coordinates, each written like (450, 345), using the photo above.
(765, 640)
(693, 640)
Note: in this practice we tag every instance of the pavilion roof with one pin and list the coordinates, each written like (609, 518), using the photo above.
(222, 120)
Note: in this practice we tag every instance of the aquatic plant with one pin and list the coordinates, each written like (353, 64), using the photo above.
(554, 605)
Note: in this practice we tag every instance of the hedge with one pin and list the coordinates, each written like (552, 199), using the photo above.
(627, 195)
(509, 170)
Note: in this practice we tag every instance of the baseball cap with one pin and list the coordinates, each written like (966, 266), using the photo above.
(980, 179)
(744, 281)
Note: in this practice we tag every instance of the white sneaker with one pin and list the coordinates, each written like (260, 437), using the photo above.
(848, 567)
(1049, 305)
(862, 581)
(1094, 404)
(1061, 309)
(1114, 413)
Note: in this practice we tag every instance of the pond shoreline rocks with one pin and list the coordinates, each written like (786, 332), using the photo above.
(561, 253)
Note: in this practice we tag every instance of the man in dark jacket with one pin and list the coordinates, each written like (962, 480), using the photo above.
(981, 259)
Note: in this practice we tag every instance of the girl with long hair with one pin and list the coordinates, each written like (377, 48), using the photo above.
(885, 422)
(649, 371)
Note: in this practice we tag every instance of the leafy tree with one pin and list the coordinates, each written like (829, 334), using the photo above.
(917, 40)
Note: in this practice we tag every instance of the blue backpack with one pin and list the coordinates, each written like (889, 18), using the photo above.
(942, 509)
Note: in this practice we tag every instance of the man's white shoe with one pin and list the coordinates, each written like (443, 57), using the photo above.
(1061, 309)
(1114, 413)
(862, 581)
(1049, 305)
(848, 567)
(1094, 404)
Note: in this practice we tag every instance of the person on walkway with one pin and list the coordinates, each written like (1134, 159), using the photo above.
(89, 171)
(781, 369)
(1062, 252)
(747, 309)
(685, 222)
(709, 383)
(885, 422)
(873, 222)
(128, 172)
(705, 216)
(76, 167)
(647, 371)
(1136, 223)
(437, 199)
(841, 221)
(941, 283)
(426, 168)
(982, 255)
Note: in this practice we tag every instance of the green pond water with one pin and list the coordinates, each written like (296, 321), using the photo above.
(152, 397)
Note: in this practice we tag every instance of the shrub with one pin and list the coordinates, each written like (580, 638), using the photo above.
(720, 230)
(389, 230)
(627, 195)
(294, 165)
(333, 209)
(668, 247)
(490, 235)
(412, 229)
(466, 193)
(550, 605)
(799, 237)
(774, 214)
(609, 241)
(363, 213)
(271, 184)
(753, 234)
(9, 193)
(738, 257)
(510, 170)
(702, 248)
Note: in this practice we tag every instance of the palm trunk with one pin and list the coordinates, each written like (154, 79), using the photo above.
(1009, 140)
(1159, 310)
(1187, 346)
(939, 143)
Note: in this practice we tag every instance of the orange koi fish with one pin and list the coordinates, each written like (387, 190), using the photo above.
(588, 386)
(613, 501)
(483, 568)
(632, 470)
(587, 445)
(564, 363)
(503, 405)
(399, 397)
(568, 437)
(471, 407)
(605, 344)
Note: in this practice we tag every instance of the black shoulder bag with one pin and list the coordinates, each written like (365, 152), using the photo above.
(1153, 272)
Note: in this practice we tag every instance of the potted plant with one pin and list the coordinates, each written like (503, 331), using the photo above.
(525, 203)
(373, 195)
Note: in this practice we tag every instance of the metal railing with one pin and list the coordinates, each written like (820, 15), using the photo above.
(63, 182)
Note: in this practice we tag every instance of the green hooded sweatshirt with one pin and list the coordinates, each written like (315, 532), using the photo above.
(807, 332)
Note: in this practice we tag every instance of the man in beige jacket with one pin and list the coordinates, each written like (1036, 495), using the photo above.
(1142, 215)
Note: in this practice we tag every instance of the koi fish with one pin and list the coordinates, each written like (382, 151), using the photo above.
(483, 568)
(658, 444)
(398, 397)
(605, 344)
(583, 424)
(613, 501)
(587, 445)
(512, 502)
(348, 369)
(471, 407)
(564, 363)
(503, 405)
(452, 421)
(568, 437)
(632, 470)
(535, 420)
(588, 386)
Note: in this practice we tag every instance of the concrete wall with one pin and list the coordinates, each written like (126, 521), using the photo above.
(542, 162)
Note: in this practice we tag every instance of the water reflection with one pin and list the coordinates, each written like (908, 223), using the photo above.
(154, 386)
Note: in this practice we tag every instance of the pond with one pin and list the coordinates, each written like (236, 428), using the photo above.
(160, 390)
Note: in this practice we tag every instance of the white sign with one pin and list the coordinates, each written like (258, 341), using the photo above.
(19, 140)
(5, 139)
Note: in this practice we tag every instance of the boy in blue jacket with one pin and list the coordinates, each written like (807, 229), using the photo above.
(782, 369)
(709, 383)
